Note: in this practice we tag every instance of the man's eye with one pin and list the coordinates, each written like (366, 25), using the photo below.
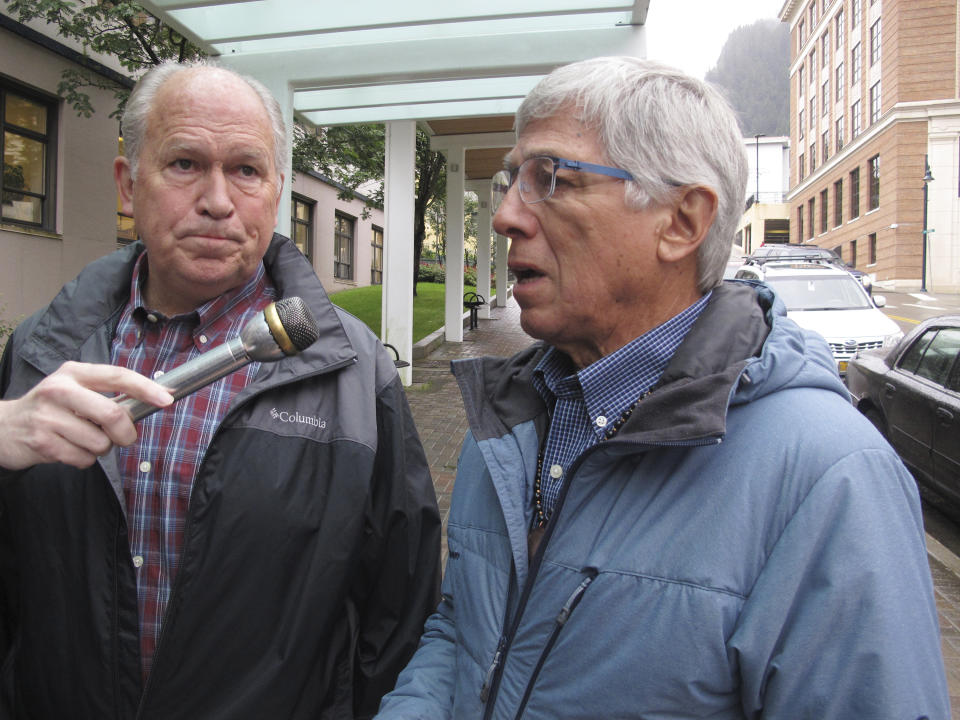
(248, 171)
(182, 164)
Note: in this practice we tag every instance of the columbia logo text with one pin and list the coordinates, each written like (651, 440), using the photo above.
(296, 417)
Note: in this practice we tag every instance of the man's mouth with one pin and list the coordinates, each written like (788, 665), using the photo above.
(525, 274)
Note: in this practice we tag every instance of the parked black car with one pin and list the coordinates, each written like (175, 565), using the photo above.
(809, 253)
(912, 394)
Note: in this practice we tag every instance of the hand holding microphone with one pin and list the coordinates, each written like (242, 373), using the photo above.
(284, 328)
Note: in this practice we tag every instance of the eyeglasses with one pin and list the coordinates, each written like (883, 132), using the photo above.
(538, 177)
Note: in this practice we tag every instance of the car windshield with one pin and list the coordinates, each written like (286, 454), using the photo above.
(820, 293)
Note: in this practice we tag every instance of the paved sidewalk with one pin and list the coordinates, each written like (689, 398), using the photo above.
(437, 409)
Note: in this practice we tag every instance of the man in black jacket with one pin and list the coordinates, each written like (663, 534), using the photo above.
(267, 547)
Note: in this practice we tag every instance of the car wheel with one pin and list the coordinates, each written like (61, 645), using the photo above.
(874, 416)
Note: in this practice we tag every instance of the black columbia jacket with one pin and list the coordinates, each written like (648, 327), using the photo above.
(311, 548)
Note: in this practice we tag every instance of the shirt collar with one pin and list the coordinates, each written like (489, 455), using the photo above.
(611, 384)
(206, 318)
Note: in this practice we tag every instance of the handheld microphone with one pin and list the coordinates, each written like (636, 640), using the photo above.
(283, 328)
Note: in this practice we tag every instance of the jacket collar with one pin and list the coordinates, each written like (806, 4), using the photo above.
(79, 322)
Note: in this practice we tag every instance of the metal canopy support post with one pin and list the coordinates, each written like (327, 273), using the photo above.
(453, 316)
(397, 300)
(484, 192)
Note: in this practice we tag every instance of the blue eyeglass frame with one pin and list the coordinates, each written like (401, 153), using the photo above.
(559, 163)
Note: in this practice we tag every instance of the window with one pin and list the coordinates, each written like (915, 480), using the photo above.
(813, 156)
(855, 193)
(839, 125)
(800, 77)
(813, 65)
(800, 167)
(825, 145)
(855, 66)
(29, 157)
(813, 14)
(873, 199)
(301, 219)
(810, 217)
(838, 203)
(800, 124)
(854, 13)
(838, 29)
(376, 256)
(855, 119)
(823, 211)
(825, 48)
(839, 77)
(801, 36)
(800, 223)
(872, 249)
(853, 253)
(343, 247)
(933, 357)
(875, 43)
(825, 97)
(875, 103)
(813, 111)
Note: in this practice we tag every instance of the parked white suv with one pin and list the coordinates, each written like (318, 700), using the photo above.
(829, 300)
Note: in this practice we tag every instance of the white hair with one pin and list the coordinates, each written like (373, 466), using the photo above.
(140, 105)
(665, 128)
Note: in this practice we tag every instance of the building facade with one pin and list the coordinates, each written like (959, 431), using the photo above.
(767, 215)
(875, 104)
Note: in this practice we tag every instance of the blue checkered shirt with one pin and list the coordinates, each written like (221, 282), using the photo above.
(583, 404)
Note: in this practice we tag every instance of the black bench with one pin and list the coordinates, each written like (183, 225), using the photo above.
(473, 301)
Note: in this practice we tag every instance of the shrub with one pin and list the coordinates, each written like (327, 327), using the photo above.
(432, 273)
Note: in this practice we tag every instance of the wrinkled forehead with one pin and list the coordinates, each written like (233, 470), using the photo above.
(562, 134)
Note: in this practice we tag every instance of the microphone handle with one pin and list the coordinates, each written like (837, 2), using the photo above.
(203, 370)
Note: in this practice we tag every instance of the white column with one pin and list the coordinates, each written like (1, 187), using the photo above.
(484, 192)
(283, 92)
(453, 315)
(501, 270)
(397, 302)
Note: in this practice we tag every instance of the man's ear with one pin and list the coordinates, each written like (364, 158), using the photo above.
(124, 180)
(693, 214)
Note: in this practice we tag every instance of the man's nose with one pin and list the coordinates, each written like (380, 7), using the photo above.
(514, 218)
(215, 197)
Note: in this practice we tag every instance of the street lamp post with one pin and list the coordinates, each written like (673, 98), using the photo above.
(756, 140)
(927, 179)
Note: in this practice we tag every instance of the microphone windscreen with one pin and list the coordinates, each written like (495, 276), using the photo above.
(298, 322)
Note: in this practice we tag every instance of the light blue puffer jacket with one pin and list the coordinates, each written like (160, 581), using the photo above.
(747, 546)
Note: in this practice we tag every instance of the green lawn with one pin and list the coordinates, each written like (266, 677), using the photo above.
(428, 306)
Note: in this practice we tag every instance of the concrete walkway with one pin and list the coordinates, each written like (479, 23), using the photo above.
(438, 412)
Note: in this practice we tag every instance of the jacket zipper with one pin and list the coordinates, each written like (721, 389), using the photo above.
(568, 607)
(188, 522)
(491, 685)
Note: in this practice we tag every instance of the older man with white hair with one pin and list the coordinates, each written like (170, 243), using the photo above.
(267, 546)
(667, 508)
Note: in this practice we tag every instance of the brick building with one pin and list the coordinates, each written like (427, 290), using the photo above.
(874, 103)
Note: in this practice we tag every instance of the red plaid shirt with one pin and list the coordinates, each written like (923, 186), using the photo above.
(158, 470)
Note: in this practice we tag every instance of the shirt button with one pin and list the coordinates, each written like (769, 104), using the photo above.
(556, 472)
(144, 466)
(152, 318)
(158, 374)
(601, 420)
(138, 561)
(202, 338)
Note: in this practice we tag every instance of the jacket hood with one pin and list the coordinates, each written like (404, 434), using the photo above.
(741, 348)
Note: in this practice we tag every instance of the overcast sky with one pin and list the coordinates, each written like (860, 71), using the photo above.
(689, 34)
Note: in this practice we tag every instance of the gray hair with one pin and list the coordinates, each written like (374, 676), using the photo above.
(140, 105)
(664, 127)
